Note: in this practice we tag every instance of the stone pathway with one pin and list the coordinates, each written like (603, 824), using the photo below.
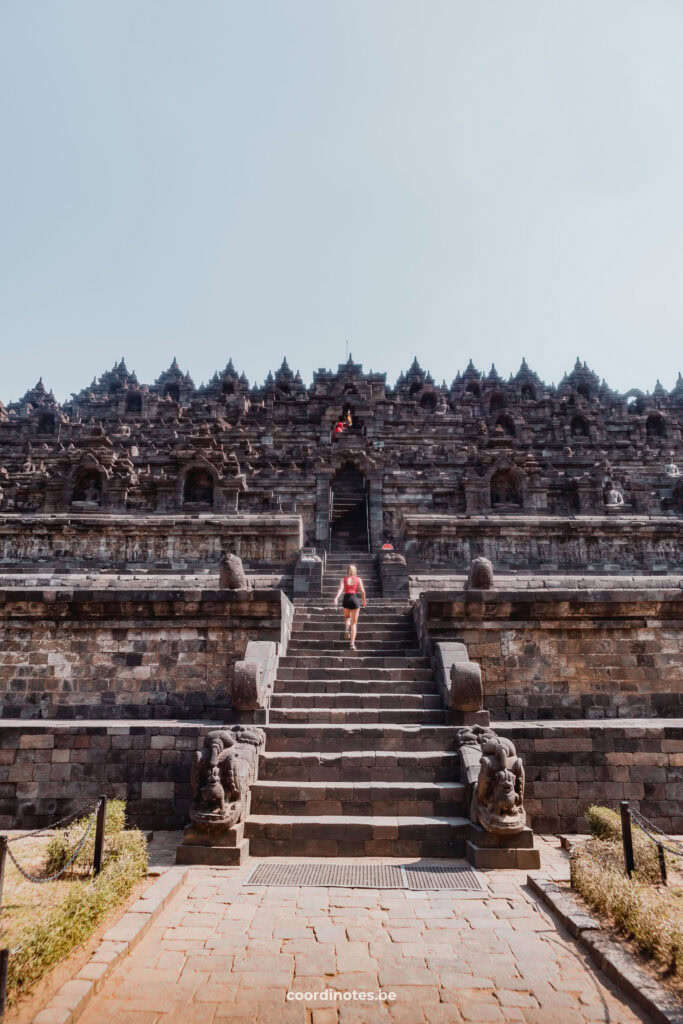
(228, 952)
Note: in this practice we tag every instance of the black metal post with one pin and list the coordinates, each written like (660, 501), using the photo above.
(4, 961)
(3, 856)
(99, 834)
(662, 862)
(627, 837)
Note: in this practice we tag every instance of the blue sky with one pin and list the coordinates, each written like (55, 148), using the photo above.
(255, 179)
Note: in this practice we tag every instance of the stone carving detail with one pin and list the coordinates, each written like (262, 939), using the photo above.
(221, 776)
(490, 766)
(232, 575)
(613, 497)
(480, 575)
(671, 469)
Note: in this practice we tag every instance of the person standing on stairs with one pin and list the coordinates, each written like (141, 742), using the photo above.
(352, 587)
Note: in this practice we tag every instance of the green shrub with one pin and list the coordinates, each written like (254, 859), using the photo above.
(87, 902)
(639, 911)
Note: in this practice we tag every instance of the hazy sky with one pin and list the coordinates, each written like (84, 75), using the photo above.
(446, 178)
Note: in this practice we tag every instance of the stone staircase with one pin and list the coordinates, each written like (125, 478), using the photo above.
(349, 524)
(358, 761)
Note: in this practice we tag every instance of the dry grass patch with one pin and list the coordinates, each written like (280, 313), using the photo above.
(642, 909)
(43, 923)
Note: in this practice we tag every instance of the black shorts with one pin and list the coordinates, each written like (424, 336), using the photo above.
(351, 601)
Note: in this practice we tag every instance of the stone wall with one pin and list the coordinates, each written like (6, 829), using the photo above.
(566, 653)
(157, 543)
(49, 769)
(571, 765)
(546, 544)
(129, 653)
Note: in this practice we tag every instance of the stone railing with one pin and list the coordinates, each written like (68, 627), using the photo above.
(254, 680)
(254, 676)
(459, 681)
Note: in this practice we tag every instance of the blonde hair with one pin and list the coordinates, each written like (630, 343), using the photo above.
(351, 570)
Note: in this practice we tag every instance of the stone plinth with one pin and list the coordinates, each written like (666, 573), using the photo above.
(198, 848)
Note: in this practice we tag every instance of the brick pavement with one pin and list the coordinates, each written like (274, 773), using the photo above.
(227, 952)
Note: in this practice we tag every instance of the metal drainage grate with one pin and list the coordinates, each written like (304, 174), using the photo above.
(442, 876)
(368, 876)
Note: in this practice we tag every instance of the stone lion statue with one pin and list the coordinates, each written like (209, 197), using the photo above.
(496, 782)
(221, 776)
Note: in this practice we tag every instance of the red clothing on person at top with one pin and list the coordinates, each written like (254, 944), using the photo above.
(351, 584)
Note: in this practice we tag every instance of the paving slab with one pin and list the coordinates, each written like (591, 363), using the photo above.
(327, 956)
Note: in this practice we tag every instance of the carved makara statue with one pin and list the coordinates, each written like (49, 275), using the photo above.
(222, 774)
(490, 765)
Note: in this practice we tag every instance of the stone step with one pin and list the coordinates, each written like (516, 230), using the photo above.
(347, 835)
(338, 563)
(308, 627)
(350, 660)
(330, 590)
(391, 606)
(337, 644)
(398, 686)
(349, 716)
(323, 737)
(376, 675)
(343, 699)
(386, 629)
(358, 798)
(378, 609)
(359, 765)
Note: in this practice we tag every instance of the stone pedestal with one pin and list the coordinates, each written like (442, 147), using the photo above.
(224, 848)
(490, 850)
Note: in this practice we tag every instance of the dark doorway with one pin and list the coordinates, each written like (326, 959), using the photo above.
(349, 518)
(505, 489)
(46, 424)
(198, 488)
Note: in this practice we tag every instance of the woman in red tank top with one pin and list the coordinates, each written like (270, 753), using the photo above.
(352, 587)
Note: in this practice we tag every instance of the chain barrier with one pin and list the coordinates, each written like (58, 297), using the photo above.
(55, 824)
(648, 828)
(72, 858)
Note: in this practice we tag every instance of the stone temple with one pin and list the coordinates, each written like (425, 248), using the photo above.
(520, 544)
